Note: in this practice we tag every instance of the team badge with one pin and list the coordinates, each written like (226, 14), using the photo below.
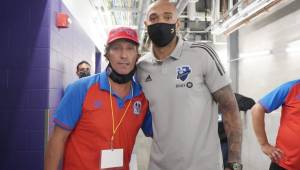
(183, 72)
(137, 105)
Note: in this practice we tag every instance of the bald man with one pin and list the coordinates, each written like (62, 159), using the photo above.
(185, 83)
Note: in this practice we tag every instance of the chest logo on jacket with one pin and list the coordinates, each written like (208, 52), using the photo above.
(183, 72)
(148, 78)
(137, 106)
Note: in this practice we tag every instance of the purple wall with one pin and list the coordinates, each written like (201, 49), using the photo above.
(24, 70)
(37, 62)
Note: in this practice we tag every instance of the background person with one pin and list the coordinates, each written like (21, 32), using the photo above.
(83, 69)
(285, 154)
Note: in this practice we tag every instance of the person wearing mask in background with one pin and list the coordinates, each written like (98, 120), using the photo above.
(83, 69)
(285, 154)
(184, 83)
(98, 118)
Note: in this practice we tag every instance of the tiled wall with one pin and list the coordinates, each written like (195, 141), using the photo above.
(68, 46)
(24, 66)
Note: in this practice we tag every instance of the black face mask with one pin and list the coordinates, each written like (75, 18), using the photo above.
(119, 78)
(84, 74)
(161, 34)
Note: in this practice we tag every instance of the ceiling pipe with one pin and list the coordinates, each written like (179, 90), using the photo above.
(215, 10)
(141, 18)
(228, 25)
(191, 10)
(181, 6)
(225, 13)
(247, 20)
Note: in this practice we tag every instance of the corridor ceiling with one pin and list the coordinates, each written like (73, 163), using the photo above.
(201, 20)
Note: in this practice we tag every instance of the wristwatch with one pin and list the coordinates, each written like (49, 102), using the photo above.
(234, 166)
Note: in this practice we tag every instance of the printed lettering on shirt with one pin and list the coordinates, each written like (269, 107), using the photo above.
(188, 85)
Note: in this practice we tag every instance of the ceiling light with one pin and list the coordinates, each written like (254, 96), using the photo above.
(255, 53)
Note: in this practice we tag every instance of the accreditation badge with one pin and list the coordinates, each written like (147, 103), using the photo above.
(111, 158)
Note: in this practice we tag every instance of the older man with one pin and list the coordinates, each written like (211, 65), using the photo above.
(99, 116)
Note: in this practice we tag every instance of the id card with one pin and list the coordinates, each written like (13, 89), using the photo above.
(111, 158)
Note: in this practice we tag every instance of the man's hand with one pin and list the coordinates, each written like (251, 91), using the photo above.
(55, 148)
(258, 120)
(275, 154)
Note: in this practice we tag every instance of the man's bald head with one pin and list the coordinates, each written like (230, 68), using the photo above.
(162, 4)
(161, 11)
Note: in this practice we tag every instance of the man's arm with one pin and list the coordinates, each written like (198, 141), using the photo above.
(258, 121)
(147, 125)
(55, 148)
(232, 121)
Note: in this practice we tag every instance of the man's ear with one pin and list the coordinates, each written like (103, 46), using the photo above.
(106, 57)
(138, 57)
(178, 24)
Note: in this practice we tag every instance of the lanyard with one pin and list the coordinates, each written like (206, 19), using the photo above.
(114, 129)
